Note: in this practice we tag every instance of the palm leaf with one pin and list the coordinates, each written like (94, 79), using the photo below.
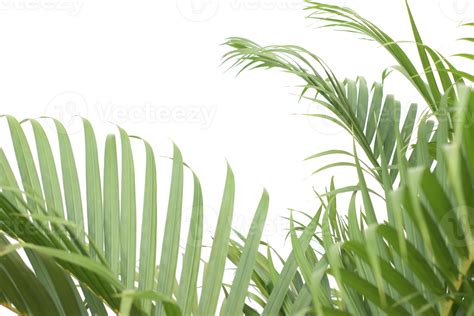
(358, 111)
(99, 255)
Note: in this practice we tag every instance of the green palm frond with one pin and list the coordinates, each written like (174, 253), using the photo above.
(360, 110)
(469, 40)
(438, 75)
(419, 262)
(87, 259)
(430, 258)
(418, 258)
(468, 56)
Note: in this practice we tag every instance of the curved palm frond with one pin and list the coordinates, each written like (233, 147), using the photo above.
(419, 262)
(430, 269)
(368, 114)
(438, 75)
(420, 259)
(87, 259)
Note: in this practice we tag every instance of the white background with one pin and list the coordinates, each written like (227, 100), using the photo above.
(153, 68)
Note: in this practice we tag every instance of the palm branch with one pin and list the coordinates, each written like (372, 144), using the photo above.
(88, 259)
(413, 262)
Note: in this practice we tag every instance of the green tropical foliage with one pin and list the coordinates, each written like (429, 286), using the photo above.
(89, 258)
(403, 248)
(411, 254)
